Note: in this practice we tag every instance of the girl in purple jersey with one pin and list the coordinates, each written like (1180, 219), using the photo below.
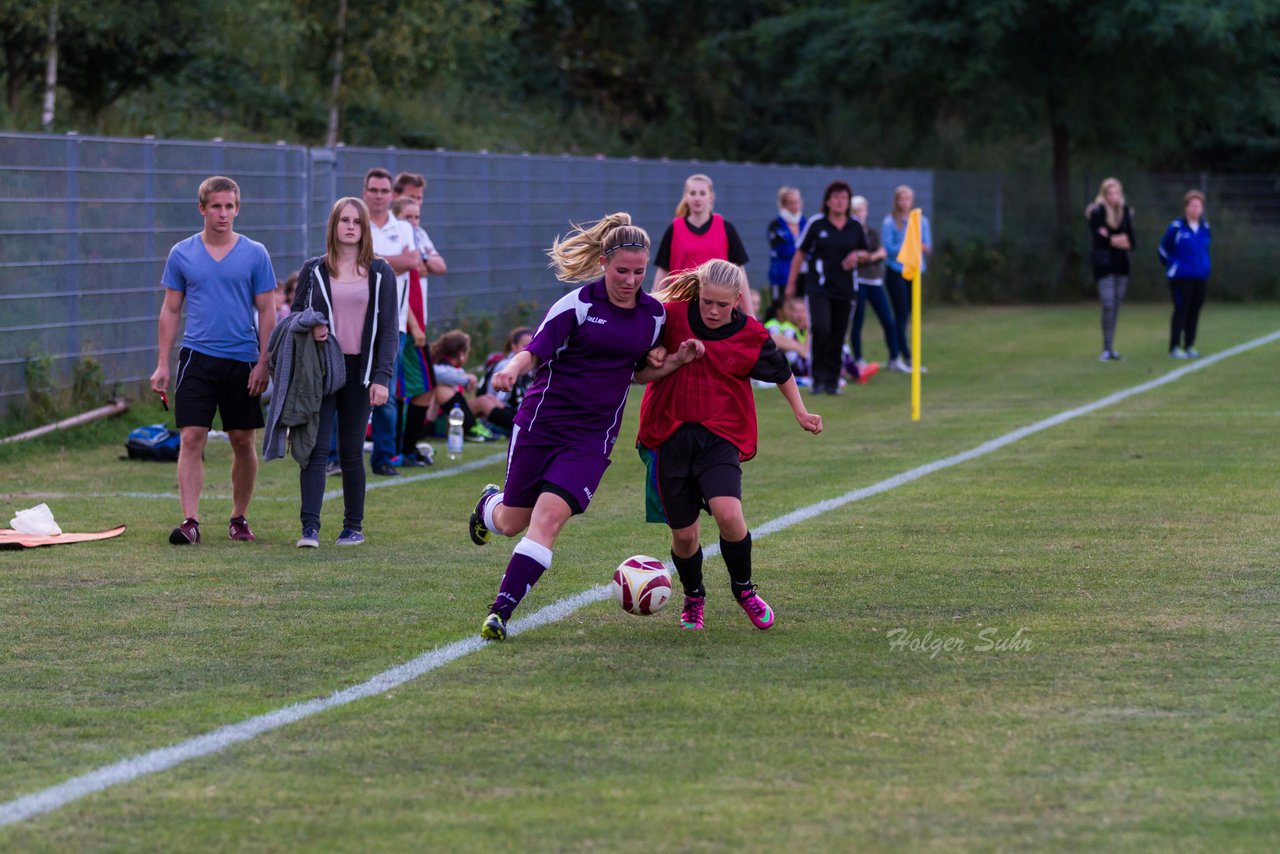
(585, 355)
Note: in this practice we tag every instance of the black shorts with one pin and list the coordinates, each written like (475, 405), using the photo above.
(694, 466)
(206, 383)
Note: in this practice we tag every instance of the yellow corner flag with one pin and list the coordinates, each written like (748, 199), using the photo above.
(911, 257)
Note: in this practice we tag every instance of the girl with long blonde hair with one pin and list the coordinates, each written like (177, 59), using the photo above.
(1110, 242)
(698, 424)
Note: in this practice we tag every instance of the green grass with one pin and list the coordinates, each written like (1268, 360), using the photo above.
(1135, 547)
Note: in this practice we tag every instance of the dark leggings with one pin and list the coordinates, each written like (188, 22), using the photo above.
(1188, 299)
(828, 321)
(899, 290)
(349, 407)
(880, 304)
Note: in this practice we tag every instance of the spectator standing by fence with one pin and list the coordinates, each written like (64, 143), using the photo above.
(832, 244)
(893, 231)
(356, 292)
(1184, 249)
(226, 283)
(871, 290)
(1110, 242)
(393, 241)
(784, 231)
(697, 234)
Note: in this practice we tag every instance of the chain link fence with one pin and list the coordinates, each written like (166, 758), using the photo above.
(87, 222)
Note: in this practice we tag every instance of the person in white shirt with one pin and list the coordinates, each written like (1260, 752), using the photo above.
(393, 241)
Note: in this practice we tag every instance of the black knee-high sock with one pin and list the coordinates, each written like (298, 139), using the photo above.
(690, 570)
(737, 557)
(414, 426)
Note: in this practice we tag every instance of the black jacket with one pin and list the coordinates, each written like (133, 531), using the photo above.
(381, 319)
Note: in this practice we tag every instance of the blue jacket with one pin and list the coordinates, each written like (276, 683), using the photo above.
(782, 248)
(1185, 253)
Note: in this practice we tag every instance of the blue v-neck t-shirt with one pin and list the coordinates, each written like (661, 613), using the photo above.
(219, 295)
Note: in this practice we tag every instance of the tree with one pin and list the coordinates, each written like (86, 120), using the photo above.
(1122, 78)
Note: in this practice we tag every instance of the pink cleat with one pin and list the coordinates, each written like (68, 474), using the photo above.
(758, 610)
(691, 613)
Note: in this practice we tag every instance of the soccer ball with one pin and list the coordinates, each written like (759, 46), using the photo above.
(641, 585)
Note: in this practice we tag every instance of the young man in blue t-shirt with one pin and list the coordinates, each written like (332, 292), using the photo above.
(224, 279)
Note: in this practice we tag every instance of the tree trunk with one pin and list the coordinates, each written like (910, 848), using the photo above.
(50, 69)
(335, 88)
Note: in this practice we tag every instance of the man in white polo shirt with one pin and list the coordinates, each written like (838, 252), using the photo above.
(392, 240)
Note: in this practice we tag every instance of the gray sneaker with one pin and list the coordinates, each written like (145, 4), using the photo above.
(310, 539)
(1178, 353)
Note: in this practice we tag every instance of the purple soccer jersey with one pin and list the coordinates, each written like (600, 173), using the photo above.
(588, 350)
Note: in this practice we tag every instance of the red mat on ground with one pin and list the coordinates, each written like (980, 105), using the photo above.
(11, 539)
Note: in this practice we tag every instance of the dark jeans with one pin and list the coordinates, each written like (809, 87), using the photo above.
(1188, 299)
(828, 321)
(349, 408)
(386, 420)
(880, 304)
(899, 290)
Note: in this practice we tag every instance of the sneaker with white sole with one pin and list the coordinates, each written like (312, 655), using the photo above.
(350, 537)
(898, 366)
(1177, 353)
(310, 539)
(1193, 353)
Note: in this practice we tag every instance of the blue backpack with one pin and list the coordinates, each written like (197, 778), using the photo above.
(154, 442)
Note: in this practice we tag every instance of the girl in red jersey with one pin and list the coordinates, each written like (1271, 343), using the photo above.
(697, 234)
(698, 424)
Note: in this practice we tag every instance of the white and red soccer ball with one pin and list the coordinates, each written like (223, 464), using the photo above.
(641, 585)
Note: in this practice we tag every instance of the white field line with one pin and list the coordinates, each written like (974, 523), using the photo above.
(47, 800)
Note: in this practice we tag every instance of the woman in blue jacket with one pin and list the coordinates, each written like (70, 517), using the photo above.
(1184, 249)
(784, 230)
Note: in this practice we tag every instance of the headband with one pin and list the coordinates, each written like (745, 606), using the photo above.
(613, 249)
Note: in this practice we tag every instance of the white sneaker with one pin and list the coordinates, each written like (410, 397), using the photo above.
(923, 369)
(1177, 353)
(1193, 353)
(899, 367)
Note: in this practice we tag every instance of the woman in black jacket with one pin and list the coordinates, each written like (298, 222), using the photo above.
(356, 292)
(1111, 241)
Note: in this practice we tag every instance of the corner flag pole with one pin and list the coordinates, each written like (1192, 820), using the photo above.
(915, 344)
(911, 257)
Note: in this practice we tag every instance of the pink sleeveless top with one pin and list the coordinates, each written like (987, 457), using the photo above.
(350, 300)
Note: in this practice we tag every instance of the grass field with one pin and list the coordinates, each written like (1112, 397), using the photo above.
(1130, 554)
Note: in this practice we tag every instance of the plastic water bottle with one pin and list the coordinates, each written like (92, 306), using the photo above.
(455, 432)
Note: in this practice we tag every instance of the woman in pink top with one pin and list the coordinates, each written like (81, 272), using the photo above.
(697, 234)
(356, 291)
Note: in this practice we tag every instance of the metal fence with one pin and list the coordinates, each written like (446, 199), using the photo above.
(86, 224)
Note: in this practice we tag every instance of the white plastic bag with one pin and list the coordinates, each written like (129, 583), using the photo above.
(35, 520)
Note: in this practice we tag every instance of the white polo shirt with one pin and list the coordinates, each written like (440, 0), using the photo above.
(388, 241)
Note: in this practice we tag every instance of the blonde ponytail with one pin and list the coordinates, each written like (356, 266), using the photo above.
(577, 257)
(685, 286)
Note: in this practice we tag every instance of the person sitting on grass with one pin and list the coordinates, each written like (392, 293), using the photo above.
(789, 329)
(449, 354)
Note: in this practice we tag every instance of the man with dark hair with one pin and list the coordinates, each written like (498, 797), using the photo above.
(225, 280)
(393, 240)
